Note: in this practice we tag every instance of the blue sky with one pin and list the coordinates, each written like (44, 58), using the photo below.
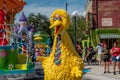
(46, 7)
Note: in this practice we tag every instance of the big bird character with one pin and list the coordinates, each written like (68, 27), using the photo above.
(64, 63)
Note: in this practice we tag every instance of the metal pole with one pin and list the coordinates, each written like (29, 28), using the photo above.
(66, 6)
(75, 32)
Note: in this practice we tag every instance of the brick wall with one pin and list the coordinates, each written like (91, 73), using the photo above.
(108, 13)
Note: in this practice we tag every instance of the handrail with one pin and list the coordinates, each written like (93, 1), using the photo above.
(8, 38)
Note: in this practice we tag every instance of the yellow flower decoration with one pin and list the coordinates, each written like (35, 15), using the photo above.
(10, 66)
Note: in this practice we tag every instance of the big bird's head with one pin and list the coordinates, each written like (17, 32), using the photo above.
(60, 21)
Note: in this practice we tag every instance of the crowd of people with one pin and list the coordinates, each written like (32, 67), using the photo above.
(101, 55)
(89, 53)
(107, 55)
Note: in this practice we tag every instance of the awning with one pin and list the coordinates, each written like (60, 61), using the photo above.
(109, 36)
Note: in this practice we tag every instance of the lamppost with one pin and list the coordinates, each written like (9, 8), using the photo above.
(66, 5)
(74, 15)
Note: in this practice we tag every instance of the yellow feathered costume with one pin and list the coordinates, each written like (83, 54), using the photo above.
(71, 65)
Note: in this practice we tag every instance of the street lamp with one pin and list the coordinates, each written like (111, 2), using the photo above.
(74, 15)
(66, 5)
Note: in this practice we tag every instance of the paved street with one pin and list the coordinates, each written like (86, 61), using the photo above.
(96, 73)
(39, 74)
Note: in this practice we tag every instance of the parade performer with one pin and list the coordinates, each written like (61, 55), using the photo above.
(64, 63)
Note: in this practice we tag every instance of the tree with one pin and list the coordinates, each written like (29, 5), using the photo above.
(40, 21)
(80, 25)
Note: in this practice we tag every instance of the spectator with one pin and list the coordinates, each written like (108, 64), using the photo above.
(85, 55)
(79, 49)
(115, 52)
(105, 58)
(90, 54)
(99, 50)
(104, 43)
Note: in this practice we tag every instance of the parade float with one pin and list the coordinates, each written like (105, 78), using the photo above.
(14, 45)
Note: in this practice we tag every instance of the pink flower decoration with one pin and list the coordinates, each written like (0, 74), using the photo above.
(3, 53)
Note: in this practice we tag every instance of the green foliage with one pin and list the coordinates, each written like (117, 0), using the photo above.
(42, 24)
(80, 25)
(40, 21)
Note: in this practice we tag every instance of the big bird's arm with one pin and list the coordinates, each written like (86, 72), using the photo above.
(76, 72)
(41, 58)
(77, 69)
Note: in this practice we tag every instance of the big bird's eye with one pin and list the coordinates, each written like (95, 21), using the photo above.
(54, 18)
(59, 18)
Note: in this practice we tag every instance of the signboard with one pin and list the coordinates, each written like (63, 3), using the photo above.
(107, 22)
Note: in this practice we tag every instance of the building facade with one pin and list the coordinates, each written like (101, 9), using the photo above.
(103, 21)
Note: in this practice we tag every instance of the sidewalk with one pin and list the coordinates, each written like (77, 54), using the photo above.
(97, 73)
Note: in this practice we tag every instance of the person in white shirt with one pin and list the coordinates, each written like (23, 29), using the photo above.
(99, 51)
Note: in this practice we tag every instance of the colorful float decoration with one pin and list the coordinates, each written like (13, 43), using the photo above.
(13, 63)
